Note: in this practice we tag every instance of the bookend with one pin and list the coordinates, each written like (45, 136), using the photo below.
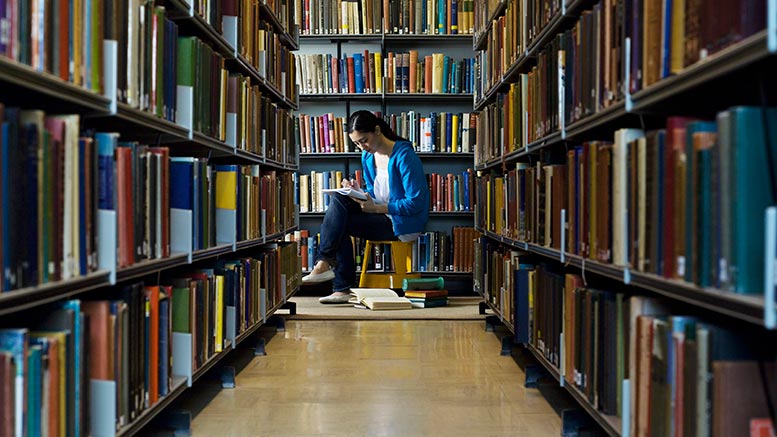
(182, 356)
(573, 421)
(534, 373)
(492, 322)
(107, 242)
(102, 407)
(231, 322)
(227, 376)
(177, 422)
(181, 231)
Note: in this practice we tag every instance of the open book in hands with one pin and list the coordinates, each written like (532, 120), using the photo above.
(379, 299)
(347, 191)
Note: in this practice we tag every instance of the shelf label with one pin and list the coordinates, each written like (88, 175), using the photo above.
(626, 407)
(626, 276)
(771, 25)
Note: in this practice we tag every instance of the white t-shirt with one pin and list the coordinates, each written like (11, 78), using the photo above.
(382, 196)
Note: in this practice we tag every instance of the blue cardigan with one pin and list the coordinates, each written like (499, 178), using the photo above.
(408, 203)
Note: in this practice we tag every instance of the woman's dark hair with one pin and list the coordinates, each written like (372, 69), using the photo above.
(366, 121)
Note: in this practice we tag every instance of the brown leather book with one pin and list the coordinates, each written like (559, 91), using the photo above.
(7, 395)
(738, 395)
(99, 315)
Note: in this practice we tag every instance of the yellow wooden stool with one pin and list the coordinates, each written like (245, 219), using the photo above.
(399, 251)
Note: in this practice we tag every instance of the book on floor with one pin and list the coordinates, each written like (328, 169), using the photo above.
(379, 299)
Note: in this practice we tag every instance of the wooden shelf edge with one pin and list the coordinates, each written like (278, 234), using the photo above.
(743, 307)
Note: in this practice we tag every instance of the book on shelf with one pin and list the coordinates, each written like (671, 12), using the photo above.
(378, 299)
(350, 192)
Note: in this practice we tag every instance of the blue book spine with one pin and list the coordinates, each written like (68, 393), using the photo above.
(181, 184)
(446, 71)
(164, 347)
(329, 76)
(106, 170)
(454, 17)
(465, 183)
(34, 390)
(343, 75)
(358, 65)
(448, 132)
(441, 17)
(456, 198)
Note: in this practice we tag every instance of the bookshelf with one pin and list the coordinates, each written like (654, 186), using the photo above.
(628, 90)
(378, 97)
(164, 131)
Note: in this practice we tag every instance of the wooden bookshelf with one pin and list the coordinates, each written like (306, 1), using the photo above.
(30, 88)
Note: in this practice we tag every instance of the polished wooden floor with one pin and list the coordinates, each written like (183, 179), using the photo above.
(380, 378)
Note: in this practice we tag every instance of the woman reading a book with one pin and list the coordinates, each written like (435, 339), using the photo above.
(396, 207)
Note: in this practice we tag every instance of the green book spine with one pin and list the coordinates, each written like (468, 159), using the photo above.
(185, 56)
(181, 305)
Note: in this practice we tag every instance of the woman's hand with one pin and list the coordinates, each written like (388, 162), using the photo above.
(369, 206)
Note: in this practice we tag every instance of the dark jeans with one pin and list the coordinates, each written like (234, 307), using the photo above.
(345, 219)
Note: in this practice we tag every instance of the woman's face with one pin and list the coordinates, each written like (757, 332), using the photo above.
(367, 141)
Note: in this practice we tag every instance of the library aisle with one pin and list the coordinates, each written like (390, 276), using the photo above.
(378, 378)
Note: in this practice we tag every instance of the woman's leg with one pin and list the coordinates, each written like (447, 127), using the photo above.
(344, 218)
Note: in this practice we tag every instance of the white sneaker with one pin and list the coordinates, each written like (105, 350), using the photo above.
(333, 298)
(315, 278)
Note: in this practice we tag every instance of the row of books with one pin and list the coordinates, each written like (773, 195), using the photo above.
(688, 375)
(448, 193)
(365, 17)
(439, 132)
(49, 186)
(259, 43)
(66, 40)
(527, 112)
(664, 40)
(129, 337)
(62, 177)
(224, 105)
(396, 73)
(685, 202)
(433, 251)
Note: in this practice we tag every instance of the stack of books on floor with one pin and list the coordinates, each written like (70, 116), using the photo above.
(426, 292)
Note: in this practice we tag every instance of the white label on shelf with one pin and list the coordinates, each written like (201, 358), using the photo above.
(231, 129)
(107, 242)
(626, 407)
(184, 110)
(723, 270)
(681, 266)
(181, 234)
(626, 276)
(110, 75)
(229, 27)
(629, 104)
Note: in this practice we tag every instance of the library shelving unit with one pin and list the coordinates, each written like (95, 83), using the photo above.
(156, 147)
(378, 98)
(625, 184)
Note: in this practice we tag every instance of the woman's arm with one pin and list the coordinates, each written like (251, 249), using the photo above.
(416, 198)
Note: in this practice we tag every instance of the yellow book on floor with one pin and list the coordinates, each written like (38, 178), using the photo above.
(379, 299)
